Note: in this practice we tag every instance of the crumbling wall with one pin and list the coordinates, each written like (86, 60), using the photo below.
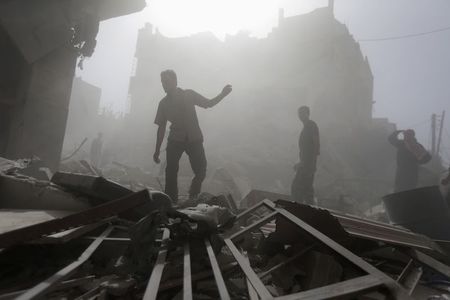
(49, 35)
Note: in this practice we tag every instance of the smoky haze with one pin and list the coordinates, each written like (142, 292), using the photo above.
(309, 55)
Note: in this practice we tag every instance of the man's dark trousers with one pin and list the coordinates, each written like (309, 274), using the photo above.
(197, 158)
(302, 189)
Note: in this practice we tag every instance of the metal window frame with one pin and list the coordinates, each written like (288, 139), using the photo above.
(375, 279)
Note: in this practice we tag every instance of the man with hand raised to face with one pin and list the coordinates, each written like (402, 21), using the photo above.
(178, 108)
(302, 189)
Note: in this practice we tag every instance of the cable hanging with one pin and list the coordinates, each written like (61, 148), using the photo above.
(400, 37)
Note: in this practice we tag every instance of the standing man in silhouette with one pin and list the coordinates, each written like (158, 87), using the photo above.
(410, 154)
(178, 107)
(96, 150)
(302, 189)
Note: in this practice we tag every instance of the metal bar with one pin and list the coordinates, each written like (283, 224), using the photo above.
(248, 271)
(88, 216)
(396, 289)
(253, 208)
(223, 292)
(167, 285)
(347, 288)
(153, 284)
(276, 267)
(74, 282)
(12, 295)
(115, 240)
(430, 262)
(89, 294)
(410, 276)
(262, 221)
(63, 285)
(68, 235)
(187, 283)
(48, 284)
(252, 294)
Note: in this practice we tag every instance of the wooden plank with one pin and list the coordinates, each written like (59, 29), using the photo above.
(430, 262)
(256, 224)
(88, 216)
(410, 276)
(253, 208)
(223, 292)
(170, 284)
(112, 240)
(252, 294)
(153, 284)
(187, 283)
(287, 261)
(68, 235)
(45, 286)
(248, 271)
(341, 290)
(12, 219)
(62, 286)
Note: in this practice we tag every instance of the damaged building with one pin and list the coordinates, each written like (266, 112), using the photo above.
(317, 62)
(38, 59)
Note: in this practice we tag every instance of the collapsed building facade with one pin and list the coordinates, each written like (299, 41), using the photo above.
(309, 59)
(38, 59)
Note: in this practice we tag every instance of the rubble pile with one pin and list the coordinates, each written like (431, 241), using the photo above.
(83, 236)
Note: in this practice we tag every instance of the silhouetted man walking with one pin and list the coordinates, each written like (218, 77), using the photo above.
(302, 189)
(410, 154)
(178, 107)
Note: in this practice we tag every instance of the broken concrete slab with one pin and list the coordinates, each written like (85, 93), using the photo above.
(11, 219)
(92, 186)
(23, 192)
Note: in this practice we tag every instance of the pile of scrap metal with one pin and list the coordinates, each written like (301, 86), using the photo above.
(119, 244)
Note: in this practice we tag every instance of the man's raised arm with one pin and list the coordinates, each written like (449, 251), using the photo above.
(393, 138)
(201, 101)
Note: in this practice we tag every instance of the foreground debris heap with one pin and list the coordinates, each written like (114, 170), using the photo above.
(134, 245)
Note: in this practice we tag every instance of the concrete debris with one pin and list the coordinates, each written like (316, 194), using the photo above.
(92, 186)
(89, 237)
(214, 216)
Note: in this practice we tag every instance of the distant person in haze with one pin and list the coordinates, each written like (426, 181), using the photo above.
(410, 154)
(178, 107)
(302, 189)
(445, 186)
(96, 150)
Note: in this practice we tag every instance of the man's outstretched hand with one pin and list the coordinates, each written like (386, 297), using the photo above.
(156, 157)
(226, 90)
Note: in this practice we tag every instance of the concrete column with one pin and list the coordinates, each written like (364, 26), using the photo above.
(39, 123)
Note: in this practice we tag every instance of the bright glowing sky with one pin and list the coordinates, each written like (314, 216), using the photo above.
(182, 17)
